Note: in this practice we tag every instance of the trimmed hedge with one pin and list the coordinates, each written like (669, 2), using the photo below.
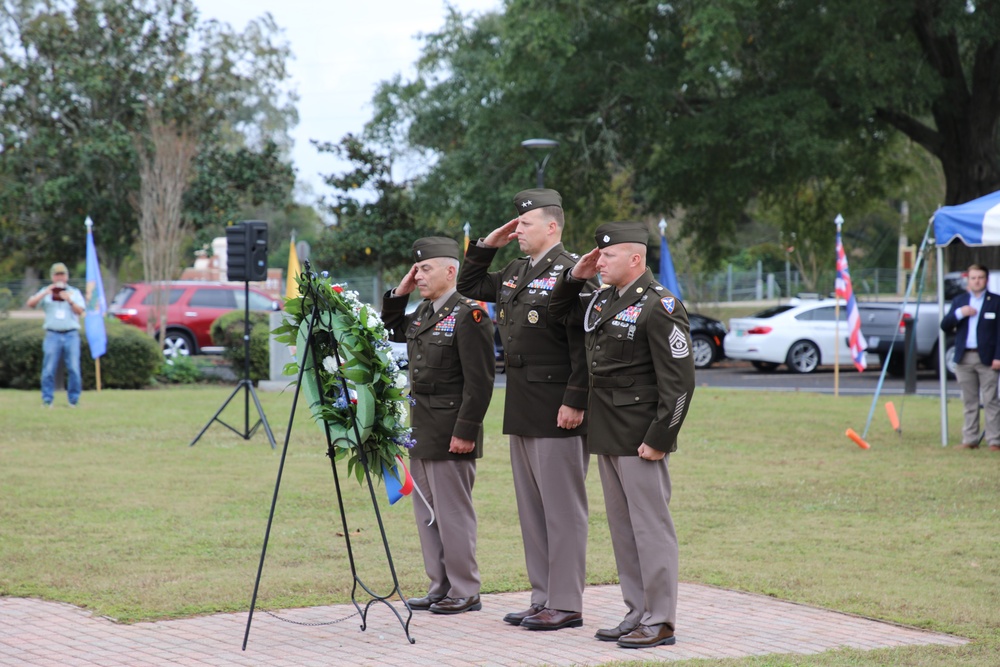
(227, 332)
(130, 362)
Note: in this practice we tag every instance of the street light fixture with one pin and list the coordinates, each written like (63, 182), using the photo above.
(540, 145)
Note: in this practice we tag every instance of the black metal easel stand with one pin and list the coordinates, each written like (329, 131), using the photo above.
(304, 356)
(246, 385)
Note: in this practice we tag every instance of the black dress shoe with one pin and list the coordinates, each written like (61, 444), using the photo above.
(515, 617)
(648, 636)
(614, 634)
(424, 603)
(457, 605)
(553, 619)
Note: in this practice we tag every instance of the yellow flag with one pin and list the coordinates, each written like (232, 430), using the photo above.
(292, 286)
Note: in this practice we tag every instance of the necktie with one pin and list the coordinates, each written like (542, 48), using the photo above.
(426, 311)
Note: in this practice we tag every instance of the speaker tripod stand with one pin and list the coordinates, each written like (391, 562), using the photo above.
(246, 385)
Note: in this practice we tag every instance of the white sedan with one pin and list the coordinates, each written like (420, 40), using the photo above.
(800, 334)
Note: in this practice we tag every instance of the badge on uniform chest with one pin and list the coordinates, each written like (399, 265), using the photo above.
(445, 326)
(542, 285)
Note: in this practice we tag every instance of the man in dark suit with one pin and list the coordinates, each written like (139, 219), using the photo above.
(449, 340)
(544, 412)
(638, 344)
(974, 319)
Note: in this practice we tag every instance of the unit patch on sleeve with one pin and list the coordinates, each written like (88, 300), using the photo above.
(669, 303)
(678, 343)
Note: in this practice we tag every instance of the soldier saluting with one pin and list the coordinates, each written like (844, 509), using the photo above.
(449, 340)
(638, 346)
(544, 410)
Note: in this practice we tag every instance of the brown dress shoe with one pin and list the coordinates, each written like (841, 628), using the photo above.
(966, 445)
(614, 634)
(995, 448)
(515, 617)
(553, 619)
(457, 605)
(424, 603)
(648, 636)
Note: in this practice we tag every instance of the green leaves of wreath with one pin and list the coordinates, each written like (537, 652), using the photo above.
(376, 387)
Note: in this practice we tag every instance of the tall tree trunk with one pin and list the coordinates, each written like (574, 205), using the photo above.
(166, 158)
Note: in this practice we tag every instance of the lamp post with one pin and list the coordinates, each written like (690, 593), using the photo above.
(540, 145)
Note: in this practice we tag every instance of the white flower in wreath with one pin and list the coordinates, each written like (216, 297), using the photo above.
(400, 380)
(330, 364)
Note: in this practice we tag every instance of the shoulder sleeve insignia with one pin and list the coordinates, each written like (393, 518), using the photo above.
(477, 315)
(668, 303)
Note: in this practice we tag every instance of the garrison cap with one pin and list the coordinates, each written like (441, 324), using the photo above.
(435, 246)
(529, 200)
(612, 233)
(58, 267)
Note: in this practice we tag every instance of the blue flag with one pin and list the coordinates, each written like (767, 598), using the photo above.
(668, 277)
(97, 305)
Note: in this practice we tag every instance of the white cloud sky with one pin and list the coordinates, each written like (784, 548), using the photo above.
(342, 51)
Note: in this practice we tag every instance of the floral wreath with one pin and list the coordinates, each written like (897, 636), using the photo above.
(376, 395)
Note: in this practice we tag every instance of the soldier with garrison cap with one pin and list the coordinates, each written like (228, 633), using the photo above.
(449, 340)
(638, 345)
(544, 414)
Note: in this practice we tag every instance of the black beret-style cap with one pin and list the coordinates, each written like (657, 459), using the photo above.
(612, 233)
(435, 246)
(529, 200)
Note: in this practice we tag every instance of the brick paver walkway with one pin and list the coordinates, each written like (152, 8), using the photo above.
(713, 623)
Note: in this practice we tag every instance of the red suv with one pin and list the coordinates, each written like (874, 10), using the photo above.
(192, 306)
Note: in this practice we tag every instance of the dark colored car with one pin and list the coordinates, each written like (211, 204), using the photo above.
(192, 306)
(706, 340)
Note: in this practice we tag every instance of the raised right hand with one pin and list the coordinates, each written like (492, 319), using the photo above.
(586, 268)
(408, 283)
(502, 235)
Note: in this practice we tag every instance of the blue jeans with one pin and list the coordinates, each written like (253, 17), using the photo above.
(65, 346)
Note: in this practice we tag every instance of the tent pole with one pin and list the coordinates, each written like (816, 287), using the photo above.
(917, 268)
(942, 370)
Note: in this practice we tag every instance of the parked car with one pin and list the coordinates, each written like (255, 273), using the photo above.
(192, 306)
(800, 335)
(707, 336)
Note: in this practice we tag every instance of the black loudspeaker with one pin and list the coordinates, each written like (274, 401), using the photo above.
(246, 251)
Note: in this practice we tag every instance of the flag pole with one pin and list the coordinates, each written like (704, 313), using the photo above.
(839, 221)
(97, 360)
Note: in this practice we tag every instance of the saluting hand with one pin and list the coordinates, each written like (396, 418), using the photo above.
(502, 235)
(586, 268)
(408, 283)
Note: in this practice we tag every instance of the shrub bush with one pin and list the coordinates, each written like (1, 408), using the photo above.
(129, 363)
(180, 370)
(227, 332)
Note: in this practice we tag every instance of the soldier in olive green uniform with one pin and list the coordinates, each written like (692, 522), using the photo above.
(449, 340)
(642, 378)
(544, 411)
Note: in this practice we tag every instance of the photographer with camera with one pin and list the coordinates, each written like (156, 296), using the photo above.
(63, 306)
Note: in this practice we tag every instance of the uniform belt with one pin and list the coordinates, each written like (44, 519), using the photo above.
(621, 381)
(61, 332)
(519, 360)
(437, 388)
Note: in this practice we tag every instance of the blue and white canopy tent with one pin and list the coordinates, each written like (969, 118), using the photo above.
(975, 223)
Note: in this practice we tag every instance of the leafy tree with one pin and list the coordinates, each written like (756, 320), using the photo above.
(374, 233)
(717, 107)
(78, 76)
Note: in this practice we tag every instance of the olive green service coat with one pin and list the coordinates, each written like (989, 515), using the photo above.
(451, 372)
(545, 360)
(639, 355)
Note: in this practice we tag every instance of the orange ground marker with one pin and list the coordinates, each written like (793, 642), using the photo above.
(890, 410)
(857, 439)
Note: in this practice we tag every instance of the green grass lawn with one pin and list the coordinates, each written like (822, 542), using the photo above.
(108, 508)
